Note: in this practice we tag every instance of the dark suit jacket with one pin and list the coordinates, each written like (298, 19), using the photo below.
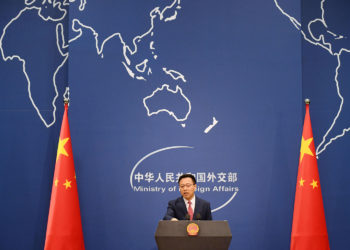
(177, 209)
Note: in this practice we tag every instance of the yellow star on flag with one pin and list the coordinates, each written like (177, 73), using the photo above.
(56, 182)
(61, 149)
(67, 184)
(314, 184)
(301, 182)
(305, 148)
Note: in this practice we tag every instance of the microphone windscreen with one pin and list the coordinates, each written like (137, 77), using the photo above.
(198, 216)
(187, 217)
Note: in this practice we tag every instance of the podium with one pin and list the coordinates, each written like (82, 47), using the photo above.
(212, 235)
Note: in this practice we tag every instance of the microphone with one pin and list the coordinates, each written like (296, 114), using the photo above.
(198, 216)
(187, 217)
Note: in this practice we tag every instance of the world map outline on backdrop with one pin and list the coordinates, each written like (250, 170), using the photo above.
(29, 6)
(136, 70)
(321, 42)
(141, 70)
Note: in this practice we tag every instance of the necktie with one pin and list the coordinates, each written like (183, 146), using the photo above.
(190, 210)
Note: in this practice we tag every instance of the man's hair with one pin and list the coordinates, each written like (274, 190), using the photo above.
(187, 176)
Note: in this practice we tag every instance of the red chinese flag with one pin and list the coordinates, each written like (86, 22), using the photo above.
(64, 230)
(309, 231)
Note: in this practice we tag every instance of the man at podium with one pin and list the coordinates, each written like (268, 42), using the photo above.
(188, 206)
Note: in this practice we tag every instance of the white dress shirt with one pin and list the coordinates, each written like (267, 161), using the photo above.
(193, 203)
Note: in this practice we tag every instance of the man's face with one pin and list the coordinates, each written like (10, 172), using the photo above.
(187, 188)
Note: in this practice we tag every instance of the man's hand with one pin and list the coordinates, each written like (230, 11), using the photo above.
(174, 219)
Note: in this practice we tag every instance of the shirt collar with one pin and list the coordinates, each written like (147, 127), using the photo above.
(192, 200)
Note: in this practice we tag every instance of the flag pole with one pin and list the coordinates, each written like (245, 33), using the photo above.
(66, 97)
